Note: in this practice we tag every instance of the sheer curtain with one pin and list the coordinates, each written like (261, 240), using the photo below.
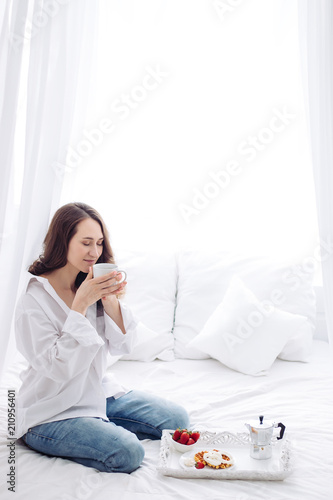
(316, 41)
(46, 53)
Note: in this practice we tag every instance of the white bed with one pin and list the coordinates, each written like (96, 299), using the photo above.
(298, 394)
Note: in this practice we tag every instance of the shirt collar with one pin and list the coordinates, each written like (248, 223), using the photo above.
(48, 288)
(31, 277)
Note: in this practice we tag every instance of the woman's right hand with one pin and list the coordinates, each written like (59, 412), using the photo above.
(92, 289)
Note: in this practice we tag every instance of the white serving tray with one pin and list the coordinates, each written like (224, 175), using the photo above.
(276, 468)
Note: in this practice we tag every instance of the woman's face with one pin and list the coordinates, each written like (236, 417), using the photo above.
(86, 246)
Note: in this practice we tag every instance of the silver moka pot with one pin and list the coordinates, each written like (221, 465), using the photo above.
(261, 434)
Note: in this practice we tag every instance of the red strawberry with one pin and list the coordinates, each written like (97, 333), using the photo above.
(184, 437)
(190, 441)
(176, 435)
(195, 436)
(199, 465)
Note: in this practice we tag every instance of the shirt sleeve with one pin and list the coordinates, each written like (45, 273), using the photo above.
(57, 353)
(120, 343)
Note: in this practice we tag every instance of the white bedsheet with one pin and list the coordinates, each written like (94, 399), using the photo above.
(297, 394)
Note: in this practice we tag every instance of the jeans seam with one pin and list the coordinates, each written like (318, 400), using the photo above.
(42, 436)
(135, 422)
(67, 456)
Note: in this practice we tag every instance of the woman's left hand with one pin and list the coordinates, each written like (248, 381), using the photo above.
(119, 290)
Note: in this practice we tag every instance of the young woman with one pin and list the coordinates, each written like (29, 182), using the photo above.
(66, 323)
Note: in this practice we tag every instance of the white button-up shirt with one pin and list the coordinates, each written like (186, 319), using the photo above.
(67, 357)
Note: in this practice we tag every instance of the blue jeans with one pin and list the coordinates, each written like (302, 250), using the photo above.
(113, 445)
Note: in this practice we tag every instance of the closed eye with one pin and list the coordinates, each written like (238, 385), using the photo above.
(100, 244)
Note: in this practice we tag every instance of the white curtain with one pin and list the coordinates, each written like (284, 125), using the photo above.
(46, 54)
(316, 42)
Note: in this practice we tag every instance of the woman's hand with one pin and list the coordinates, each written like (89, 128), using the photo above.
(93, 289)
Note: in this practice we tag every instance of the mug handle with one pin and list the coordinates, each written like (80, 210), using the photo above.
(125, 276)
(283, 428)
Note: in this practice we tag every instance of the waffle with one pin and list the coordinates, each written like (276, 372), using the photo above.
(198, 457)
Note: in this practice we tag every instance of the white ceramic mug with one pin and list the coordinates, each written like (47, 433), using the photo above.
(104, 268)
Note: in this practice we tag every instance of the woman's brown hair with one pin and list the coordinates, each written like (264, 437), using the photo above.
(61, 230)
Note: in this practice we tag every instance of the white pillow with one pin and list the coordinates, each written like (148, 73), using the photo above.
(203, 281)
(150, 294)
(299, 347)
(245, 334)
(147, 347)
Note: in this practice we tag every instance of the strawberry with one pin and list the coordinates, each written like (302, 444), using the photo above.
(199, 465)
(184, 437)
(190, 441)
(176, 435)
(195, 436)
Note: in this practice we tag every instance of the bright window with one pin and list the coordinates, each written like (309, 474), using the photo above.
(196, 133)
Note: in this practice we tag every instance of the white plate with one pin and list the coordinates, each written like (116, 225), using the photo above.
(191, 453)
